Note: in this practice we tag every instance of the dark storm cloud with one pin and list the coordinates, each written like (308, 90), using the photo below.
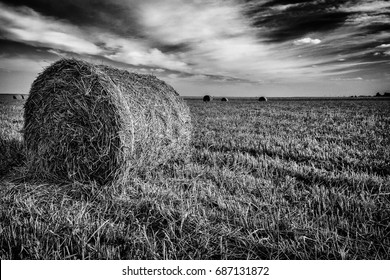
(280, 21)
(113, 15)
(376, 28)
(299, 26)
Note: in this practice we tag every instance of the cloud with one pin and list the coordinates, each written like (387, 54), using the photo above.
(370, 17)
(216, 35)
(112, 16)
(25, 25)
(176, 22)
(57, 52)
(136, 53)
(384, 46)
(307, 41)
(285, 7)
(348, 79)
(367, 6)
(29, 27)
(281, 21)
(216, 38)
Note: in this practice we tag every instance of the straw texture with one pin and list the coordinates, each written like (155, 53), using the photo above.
(86, 122)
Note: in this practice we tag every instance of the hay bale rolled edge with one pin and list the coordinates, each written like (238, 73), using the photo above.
(263, 98)
(225, 99)
(86, 122)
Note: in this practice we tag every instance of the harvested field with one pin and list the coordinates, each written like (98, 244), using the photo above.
(296, 179)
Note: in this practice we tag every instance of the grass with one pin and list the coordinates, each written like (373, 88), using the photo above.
(277, 180)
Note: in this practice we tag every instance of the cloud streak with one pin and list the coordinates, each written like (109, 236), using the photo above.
(305, 41)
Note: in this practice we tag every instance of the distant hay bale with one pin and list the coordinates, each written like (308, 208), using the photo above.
(224, 99)
(263, 98)
(207, 98)
(14, 97)
(86, 122)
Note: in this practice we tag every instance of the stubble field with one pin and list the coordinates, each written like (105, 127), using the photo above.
(285, 179)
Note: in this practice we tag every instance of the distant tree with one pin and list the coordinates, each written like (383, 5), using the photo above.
(378, 94)
(387, 94)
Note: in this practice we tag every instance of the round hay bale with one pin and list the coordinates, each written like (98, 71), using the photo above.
(224, 99)
(86, 122)
(207, 98)
(263, 98)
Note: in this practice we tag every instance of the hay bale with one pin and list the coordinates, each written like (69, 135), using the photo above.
(86, 122)
(207, 98)
(263, 98)
(224, 99)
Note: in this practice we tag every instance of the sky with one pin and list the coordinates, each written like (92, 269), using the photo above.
(222, 47)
